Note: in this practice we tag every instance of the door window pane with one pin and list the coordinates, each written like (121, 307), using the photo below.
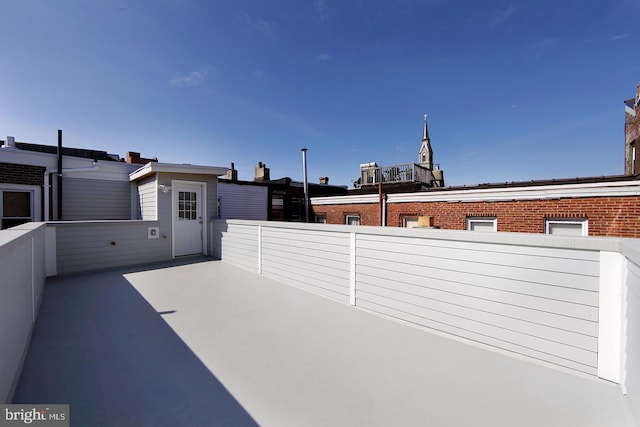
(187, 205)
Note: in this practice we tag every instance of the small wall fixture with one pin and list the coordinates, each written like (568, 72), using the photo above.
(153, 232)
(164, 188)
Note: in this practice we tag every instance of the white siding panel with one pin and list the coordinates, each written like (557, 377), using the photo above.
(493, 265)
(240, 246)
(242, 201)
(334, 289)
(436, 244)
(572, 302)
(484, 339)
(633, 334)
(484, 314)
(529, 300)
(91, 199)
(15, 310)
(313, 260)
(447, 322)
(538, 301)
(148, 200)
(503, 304)
(534, 259)
(22, 279)
(93, 246)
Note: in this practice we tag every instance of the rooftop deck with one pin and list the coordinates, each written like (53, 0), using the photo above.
(201, 342)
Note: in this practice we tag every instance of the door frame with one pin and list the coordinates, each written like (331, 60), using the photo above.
(175, 183)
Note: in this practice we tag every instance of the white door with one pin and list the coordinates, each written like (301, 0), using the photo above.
(187, 216)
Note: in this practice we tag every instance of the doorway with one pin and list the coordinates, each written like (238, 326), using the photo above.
(189, 209)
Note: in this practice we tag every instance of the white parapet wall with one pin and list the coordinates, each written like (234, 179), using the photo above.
(569, 301)
(96, 245)
(23, 262)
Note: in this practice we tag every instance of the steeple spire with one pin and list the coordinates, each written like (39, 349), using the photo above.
(425, 155)
(425, 133)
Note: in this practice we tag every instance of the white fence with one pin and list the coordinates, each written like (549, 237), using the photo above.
(24, 262)
(560, 300)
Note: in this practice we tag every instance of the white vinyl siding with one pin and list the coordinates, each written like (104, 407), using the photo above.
(85, 246)
(148, 200)
(236, 201)
(632, 316)
(89, 199)
(311, 260)
(537, 301)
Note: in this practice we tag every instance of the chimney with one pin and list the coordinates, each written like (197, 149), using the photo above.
(10, 142)
(261, 172)
(324, 180)
(134, 158)
(232, 174)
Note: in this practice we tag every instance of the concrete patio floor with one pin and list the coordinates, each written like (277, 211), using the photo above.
(200, 342)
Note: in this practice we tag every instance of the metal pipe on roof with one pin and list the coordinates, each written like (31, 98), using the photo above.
(59, 174)
(306, 184)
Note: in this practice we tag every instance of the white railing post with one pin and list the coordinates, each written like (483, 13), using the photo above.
(352, 268)
(611, 317)
(259, 249)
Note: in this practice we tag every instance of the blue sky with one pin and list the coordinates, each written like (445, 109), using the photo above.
(514, 90)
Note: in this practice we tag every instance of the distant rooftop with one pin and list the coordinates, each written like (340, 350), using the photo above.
(69, 151)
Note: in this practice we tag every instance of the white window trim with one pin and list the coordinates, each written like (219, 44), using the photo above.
(35, 190)
(346, 219)
(583, 222)
(404, 220)
(482, 219)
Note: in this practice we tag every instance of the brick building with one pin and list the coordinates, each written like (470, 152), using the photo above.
(632, 134)
(603, 206)
(596, 206)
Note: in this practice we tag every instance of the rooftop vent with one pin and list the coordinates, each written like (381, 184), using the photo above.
(10, 142)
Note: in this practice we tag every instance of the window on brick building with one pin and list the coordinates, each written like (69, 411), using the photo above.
(352, 219)
(567, 227)
(482, 223)
(321, 219)
(410, 221)
(15, 207)
(632, 156)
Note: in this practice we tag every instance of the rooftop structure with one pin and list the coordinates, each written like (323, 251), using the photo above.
(424, 172)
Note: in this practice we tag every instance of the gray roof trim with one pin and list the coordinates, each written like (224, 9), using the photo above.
(155, 167)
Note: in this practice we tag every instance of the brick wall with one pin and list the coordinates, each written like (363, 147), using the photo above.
(336, 214)
(21, 174)
(608, 216)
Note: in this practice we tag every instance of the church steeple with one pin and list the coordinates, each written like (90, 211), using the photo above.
(425, 155)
